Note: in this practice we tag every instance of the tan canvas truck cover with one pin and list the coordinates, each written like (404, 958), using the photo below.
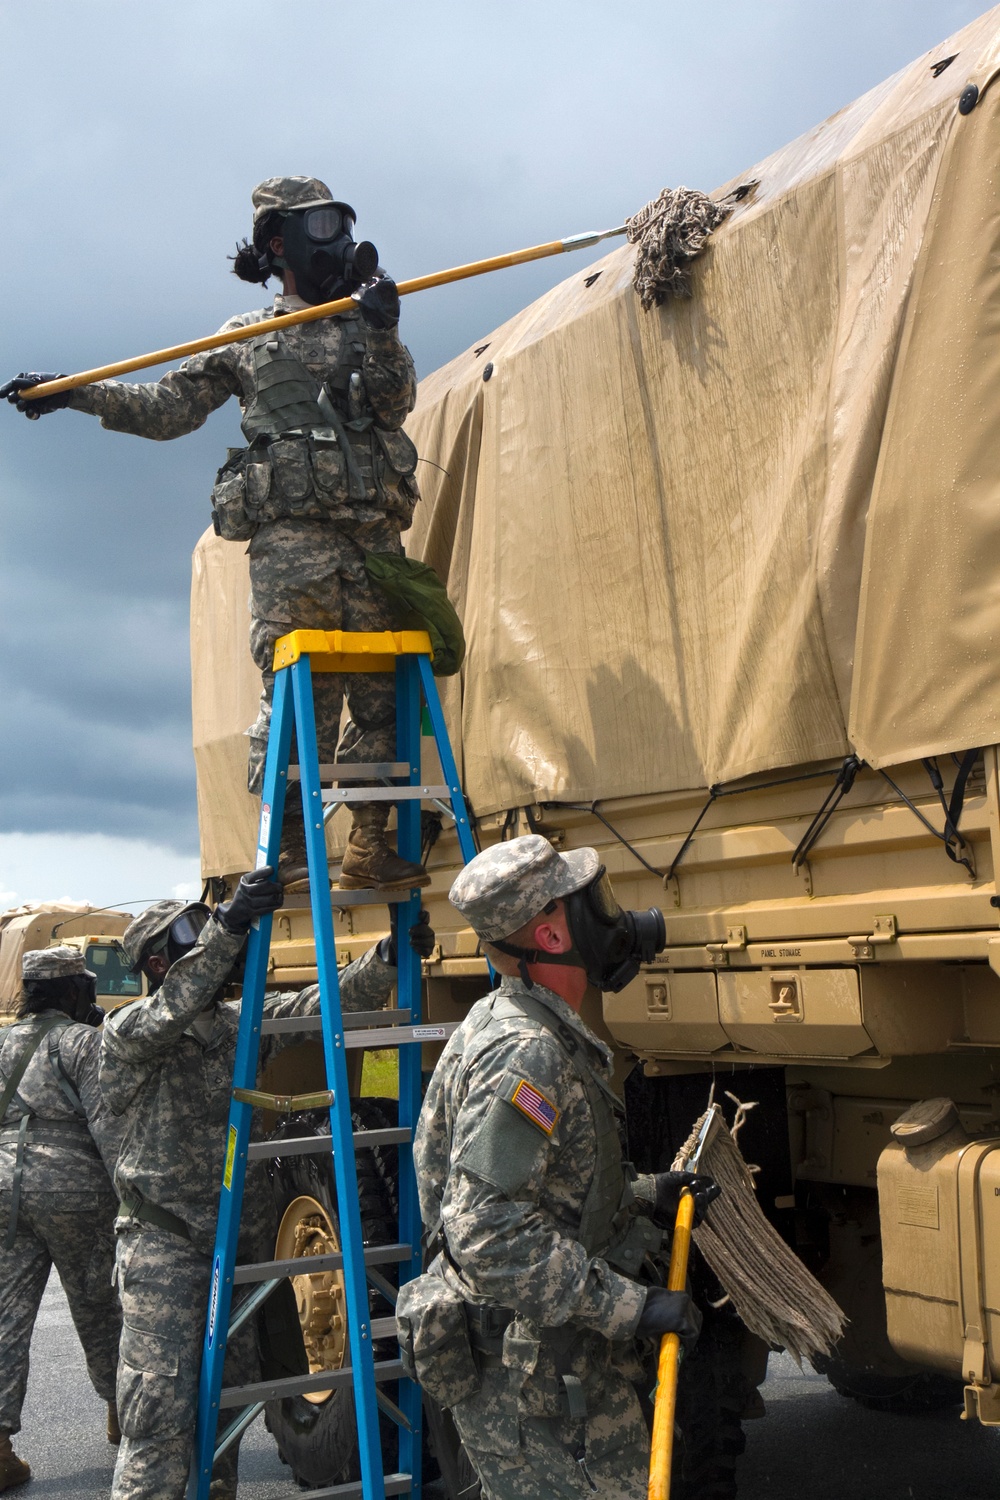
(38, 924)
(753, 529)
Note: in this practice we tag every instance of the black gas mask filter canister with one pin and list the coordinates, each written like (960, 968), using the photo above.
(609, 944)
(319, 248)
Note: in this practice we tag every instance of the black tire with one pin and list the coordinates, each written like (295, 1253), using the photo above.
(319, 1441)
(711, 1393)
(922, 1391)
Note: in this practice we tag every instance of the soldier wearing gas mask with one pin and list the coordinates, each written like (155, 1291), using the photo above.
(58, 1146)
(327, 476)
(524, 1324)
(167, 1070)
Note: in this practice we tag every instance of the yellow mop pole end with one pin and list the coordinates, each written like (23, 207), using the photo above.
(662, 1451)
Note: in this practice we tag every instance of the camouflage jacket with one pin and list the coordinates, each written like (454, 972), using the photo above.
(182, 400)
(167, 1066)
(63, 1070)
(517, 1245)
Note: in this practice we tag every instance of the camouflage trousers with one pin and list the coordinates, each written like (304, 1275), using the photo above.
(73, 1232)
(309, 575)
(163, 1283)
(558, 1457)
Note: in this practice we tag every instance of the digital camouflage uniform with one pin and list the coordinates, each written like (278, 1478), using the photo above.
(167, 1067)
(67, 1207)
(305, 573)
(509, 1175)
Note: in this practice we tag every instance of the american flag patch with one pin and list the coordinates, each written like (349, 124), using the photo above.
(539, 1110)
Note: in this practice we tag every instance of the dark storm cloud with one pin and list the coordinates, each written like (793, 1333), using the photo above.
(132, 136)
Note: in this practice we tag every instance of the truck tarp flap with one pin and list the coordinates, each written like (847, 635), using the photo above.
(671, 535)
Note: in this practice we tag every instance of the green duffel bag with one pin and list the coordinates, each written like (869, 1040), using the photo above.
(421, 603)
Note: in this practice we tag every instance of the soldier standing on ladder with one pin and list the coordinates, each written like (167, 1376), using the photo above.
(57, 1205)
(328, 477)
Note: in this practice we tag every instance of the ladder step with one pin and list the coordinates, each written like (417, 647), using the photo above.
(305, 1145)
(300, 1385)
(383, 793)
(264, 1270)
(399, 1036)
(354, 1020)
(350, 898)
(356, 770)
(395, 1484)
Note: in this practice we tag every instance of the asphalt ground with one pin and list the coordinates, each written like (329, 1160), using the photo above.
(812, 1445)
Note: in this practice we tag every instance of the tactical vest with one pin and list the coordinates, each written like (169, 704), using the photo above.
(315, 450)
(31, 1126)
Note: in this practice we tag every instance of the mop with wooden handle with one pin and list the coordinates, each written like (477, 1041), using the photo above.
(670, 232)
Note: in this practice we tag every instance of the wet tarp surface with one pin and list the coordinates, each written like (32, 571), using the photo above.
(662, 529)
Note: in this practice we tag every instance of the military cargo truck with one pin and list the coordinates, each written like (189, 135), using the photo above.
(730, 577)
(94, 930)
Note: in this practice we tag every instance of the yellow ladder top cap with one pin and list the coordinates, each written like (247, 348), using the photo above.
(350, 650)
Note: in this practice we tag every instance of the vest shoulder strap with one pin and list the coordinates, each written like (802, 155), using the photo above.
(21, 1066)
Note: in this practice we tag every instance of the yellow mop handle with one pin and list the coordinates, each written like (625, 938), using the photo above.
(662, 1452)
(310, 314)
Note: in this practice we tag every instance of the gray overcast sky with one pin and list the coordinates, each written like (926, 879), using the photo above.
(133, 132)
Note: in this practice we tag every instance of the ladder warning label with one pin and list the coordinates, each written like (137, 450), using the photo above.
(213, 1301)
(265, 831)
(227, 1176)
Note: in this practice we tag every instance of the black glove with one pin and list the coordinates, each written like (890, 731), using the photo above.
(704, 1191)
(379, 303)
(44, 404)
(421, 936)
(670, 1312)
(257, 894)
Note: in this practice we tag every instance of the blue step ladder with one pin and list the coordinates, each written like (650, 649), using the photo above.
(297, 656)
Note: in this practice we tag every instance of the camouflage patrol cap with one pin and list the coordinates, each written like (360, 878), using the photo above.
(505, 886)
(53, 963)
(282, 194)
(151, 924)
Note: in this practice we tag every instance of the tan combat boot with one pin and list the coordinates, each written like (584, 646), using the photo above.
(13, 1470)
(114, 1429)
(371, 864)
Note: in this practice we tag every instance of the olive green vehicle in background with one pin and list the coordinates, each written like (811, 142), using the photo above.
(729, 573)
(94, 931)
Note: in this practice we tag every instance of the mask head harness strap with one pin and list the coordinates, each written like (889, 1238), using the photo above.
(526, 956)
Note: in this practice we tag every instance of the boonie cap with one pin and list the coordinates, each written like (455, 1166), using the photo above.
(282, 194)
(54, 963)
(505, 886)
(151, 924)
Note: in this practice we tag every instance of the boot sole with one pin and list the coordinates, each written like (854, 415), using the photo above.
(355, 883)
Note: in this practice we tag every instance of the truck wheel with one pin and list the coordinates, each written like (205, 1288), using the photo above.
(316, 1434)
(922, 1391)
(710, 1396)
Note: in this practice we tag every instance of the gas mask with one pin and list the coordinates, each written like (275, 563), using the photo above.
(609, 944)
(81, 1000)
(179, 938)
(319, 248)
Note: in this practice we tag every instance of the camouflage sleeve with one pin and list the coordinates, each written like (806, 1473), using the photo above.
(167, 408)
(79, 1057)
(140, 1033)
(365, 984)
(509, 1249)
(389, 376)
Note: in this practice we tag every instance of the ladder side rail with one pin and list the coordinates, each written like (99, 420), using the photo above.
(341, 1125)
(240, 1115)
(449, 769)
(409, 995)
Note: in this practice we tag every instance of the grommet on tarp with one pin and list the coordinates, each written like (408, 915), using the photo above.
(487, 370)
(968, 99)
